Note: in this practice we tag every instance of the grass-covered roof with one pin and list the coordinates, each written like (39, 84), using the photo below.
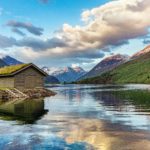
(12, 69)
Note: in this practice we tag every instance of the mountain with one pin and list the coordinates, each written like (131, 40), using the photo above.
(136, 70)
(142, 52)
(6, 60)
(106, 64)
(2, 63)
(10, 60)
(67, 74)
(51, 80)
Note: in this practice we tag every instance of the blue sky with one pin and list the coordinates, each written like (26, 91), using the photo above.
(58, 33)
(50, 16)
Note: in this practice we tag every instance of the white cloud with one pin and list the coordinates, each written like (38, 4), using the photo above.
(111, 24)
(75, 65)
(2, 55)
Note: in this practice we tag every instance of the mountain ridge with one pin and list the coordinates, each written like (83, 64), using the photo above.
(6, 60)
(135, 70)
(106, 64)
(10, 60)
(66, 74)
(142, 52)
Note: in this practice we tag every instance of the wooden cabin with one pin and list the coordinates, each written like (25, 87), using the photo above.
(22, 76)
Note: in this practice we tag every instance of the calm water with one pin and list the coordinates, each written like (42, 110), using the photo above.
(79, 117)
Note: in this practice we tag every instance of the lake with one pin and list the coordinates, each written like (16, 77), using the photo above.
(79, 117)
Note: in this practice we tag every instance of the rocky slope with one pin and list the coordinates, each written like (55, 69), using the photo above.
(107, 64)
(136, 70)
(142, 52)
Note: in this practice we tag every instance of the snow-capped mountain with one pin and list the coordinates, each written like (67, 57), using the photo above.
(107, 64)
(67, 74)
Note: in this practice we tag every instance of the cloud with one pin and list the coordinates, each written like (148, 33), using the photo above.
(110, 25)
(139, 6)
(28, 26)
(6, 42)
(17, 31)
(146, 41)
(40, 45)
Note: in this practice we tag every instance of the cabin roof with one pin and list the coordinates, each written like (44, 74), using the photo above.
(15, 69)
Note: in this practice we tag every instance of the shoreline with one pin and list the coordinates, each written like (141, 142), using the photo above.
(7, 94)
(39, 93)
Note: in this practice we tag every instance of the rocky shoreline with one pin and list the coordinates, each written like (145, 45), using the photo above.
(9, 94)
(39, 93)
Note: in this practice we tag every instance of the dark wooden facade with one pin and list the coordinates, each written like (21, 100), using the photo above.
(27, 78)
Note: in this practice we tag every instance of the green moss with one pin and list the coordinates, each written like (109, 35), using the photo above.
(11, 69)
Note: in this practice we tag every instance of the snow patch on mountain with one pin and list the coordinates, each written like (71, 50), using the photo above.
(66, 74)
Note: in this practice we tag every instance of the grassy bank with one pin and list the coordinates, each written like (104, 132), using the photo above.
(134, 71)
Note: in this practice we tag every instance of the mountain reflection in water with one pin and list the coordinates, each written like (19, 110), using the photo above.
(80, 117)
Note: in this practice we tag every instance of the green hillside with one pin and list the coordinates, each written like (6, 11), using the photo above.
(134, 71)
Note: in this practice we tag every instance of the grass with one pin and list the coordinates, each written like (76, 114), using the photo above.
(11, 69)
(134, 71)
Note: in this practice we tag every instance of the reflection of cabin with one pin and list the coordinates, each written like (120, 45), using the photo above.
(23, 76)
(25, 110)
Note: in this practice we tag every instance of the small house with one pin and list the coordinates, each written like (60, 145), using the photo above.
(22, 76)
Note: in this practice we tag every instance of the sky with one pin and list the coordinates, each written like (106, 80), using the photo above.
(59, 33)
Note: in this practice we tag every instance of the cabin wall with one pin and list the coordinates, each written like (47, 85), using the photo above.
(28, 79)
(6, 82)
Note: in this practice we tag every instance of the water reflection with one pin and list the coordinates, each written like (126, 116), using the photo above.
(103, 135)
(27, 111)
(80, 117)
